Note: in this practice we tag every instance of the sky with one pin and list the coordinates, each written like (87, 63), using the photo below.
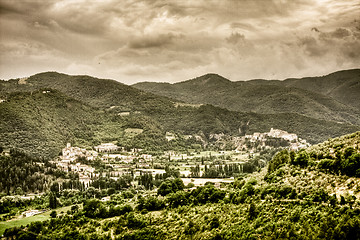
(175, 40)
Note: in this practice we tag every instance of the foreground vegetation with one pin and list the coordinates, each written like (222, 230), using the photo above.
(294, 197)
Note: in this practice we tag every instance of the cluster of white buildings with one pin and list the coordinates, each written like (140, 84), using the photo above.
(71, 154)
(277, 133)
(295, 143)
(67, 162)
(274, 133)
(106, 147)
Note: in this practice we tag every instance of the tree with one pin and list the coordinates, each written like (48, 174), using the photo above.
(215, 223)
(134, 221)
(52, 200)
(178, 184)
(333, 200)
(74, 208)
(351, 164)
(92, 208)
(55, 187)
(165, 188)
(195, 171)
(179, 198)
(11, 232)
(53, 214)
(252, 212)
(111, 191)
(146, 180)
(301, 159)
(19, 191)
(279, 159)
(170, 186)
(150, 203)
(191, 228)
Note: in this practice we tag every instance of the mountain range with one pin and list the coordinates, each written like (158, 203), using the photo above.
(39, 114)
(333, 97)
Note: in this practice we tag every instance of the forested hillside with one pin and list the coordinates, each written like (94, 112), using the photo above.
(21, 174)
(102, 93)
(343, 86)
(333, 97)
(41, 122)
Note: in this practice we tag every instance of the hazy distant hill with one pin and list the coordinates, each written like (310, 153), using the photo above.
(343, 86)
(334, 97)
(40, 114)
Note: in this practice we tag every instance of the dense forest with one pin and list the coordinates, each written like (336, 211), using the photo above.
(20, 173)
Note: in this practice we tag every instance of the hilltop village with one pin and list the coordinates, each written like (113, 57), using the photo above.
(276, 136)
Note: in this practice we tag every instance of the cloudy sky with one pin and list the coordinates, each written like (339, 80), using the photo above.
(174, 40)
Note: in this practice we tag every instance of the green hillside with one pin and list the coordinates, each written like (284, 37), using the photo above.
(292, 199)
(306, 96)
(343, 86)
(101, 93)
(42, 122)
(209, 119)
(40, 114)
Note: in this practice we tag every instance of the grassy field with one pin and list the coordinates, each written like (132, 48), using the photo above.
(20, 221)
(132, 132)
(23, 222)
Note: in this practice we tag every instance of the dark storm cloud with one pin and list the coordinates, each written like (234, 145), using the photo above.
(171, 40)
(235, 38)
(152, 41)
(312, 47)
(341, 33)
(23, 8)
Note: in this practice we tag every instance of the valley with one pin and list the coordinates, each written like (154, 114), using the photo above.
(88, 158)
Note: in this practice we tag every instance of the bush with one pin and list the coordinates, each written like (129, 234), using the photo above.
(150, 203)
(53, 214)
(207, 194)
(119, 210)
(135, 221)
(93, 208)
(301, 159)
(180, 198)
(170, 186)
(215, 223)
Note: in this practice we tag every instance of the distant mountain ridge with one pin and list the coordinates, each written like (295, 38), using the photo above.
(333, 97)
(102, 93)
(343, 86)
